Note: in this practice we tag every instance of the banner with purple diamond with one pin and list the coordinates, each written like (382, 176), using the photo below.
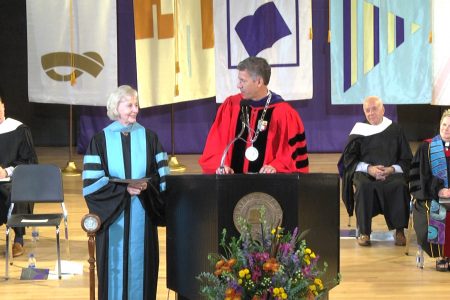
(278, 31)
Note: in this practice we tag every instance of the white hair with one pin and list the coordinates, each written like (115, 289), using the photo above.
(116, 97)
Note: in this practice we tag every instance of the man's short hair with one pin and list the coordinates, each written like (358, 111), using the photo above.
(256, 66)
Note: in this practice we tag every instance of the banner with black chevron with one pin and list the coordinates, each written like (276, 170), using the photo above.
(380, 48)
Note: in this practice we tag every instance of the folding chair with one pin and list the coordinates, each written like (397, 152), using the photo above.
(40, 183)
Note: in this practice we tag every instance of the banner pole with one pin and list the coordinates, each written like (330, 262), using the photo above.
(174, 165)
(71, 168)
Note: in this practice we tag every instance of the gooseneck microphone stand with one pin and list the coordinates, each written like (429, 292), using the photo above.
(244, 124)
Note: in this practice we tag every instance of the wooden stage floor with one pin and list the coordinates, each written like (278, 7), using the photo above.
(381, 271)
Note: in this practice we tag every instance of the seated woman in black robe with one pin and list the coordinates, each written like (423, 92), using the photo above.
(429, 186)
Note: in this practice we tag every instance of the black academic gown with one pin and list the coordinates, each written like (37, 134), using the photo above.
(111, 201)
(389, 197)
(16, 147)
(424, 187)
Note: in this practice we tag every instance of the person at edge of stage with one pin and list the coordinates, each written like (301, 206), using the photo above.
(127, 241)
(429, 187)
(16, 147)
(374, 167)
(273, 137)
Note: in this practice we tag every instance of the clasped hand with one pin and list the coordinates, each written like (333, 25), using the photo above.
(3, 173)
(380, 172)
(136, 188)
(444, 193)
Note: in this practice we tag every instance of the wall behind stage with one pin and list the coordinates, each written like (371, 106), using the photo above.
(327, 126)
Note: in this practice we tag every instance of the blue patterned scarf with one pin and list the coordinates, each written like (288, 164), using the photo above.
(438, 162)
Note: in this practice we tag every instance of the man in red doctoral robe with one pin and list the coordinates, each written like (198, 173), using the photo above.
(255, 131)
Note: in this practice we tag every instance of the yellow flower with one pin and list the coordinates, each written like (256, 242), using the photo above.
(308, 251)
(273, 231)
(284, 296)
(276, 291)
(312, 255)
(312, 287)
(242, 273)
(240, 281)
(319, 283)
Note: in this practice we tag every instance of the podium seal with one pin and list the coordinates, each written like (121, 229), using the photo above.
(248, 208)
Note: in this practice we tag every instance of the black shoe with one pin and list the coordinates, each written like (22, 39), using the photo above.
(442, 264)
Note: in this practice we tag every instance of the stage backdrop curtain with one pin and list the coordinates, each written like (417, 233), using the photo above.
(174, 51)
(72, 51)
(277, 30)
(380, 48)
(441, 52)
(327, 126)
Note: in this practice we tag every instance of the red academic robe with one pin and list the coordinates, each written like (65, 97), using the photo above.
(282, 144)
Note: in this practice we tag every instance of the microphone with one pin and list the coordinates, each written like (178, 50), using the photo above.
(244, 116)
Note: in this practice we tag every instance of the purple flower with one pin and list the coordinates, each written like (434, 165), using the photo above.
(285, 249)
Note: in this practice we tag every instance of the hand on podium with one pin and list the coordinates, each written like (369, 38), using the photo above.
(224, 170)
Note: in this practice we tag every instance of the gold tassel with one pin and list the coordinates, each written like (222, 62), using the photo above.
(73, 79)
(329, 22)
(430, 37)
(311, 33)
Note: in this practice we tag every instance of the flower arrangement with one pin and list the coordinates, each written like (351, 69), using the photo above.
(277, 266)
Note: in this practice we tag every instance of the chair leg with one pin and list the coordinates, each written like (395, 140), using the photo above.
(409, 234)
(410, 228)
(58, 252)
(66, 234)
(7, 252)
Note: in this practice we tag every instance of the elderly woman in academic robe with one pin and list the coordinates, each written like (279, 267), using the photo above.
(125, 168)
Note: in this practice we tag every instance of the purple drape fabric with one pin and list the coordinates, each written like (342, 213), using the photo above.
(327, 126)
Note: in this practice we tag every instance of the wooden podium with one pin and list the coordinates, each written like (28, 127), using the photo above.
(200, 206)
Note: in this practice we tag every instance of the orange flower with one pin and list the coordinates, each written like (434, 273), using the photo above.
(224, 266)
(230, 294)
(220, 263)
(271, 265)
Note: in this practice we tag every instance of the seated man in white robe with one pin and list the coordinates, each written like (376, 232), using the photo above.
(16, 147)
(375, 166)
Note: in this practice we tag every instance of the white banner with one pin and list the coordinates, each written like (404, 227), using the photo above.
(174, 51)
(441, 52)
(72, 51)
(278, 31)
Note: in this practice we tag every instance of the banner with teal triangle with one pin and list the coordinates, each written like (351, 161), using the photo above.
(380, 47)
